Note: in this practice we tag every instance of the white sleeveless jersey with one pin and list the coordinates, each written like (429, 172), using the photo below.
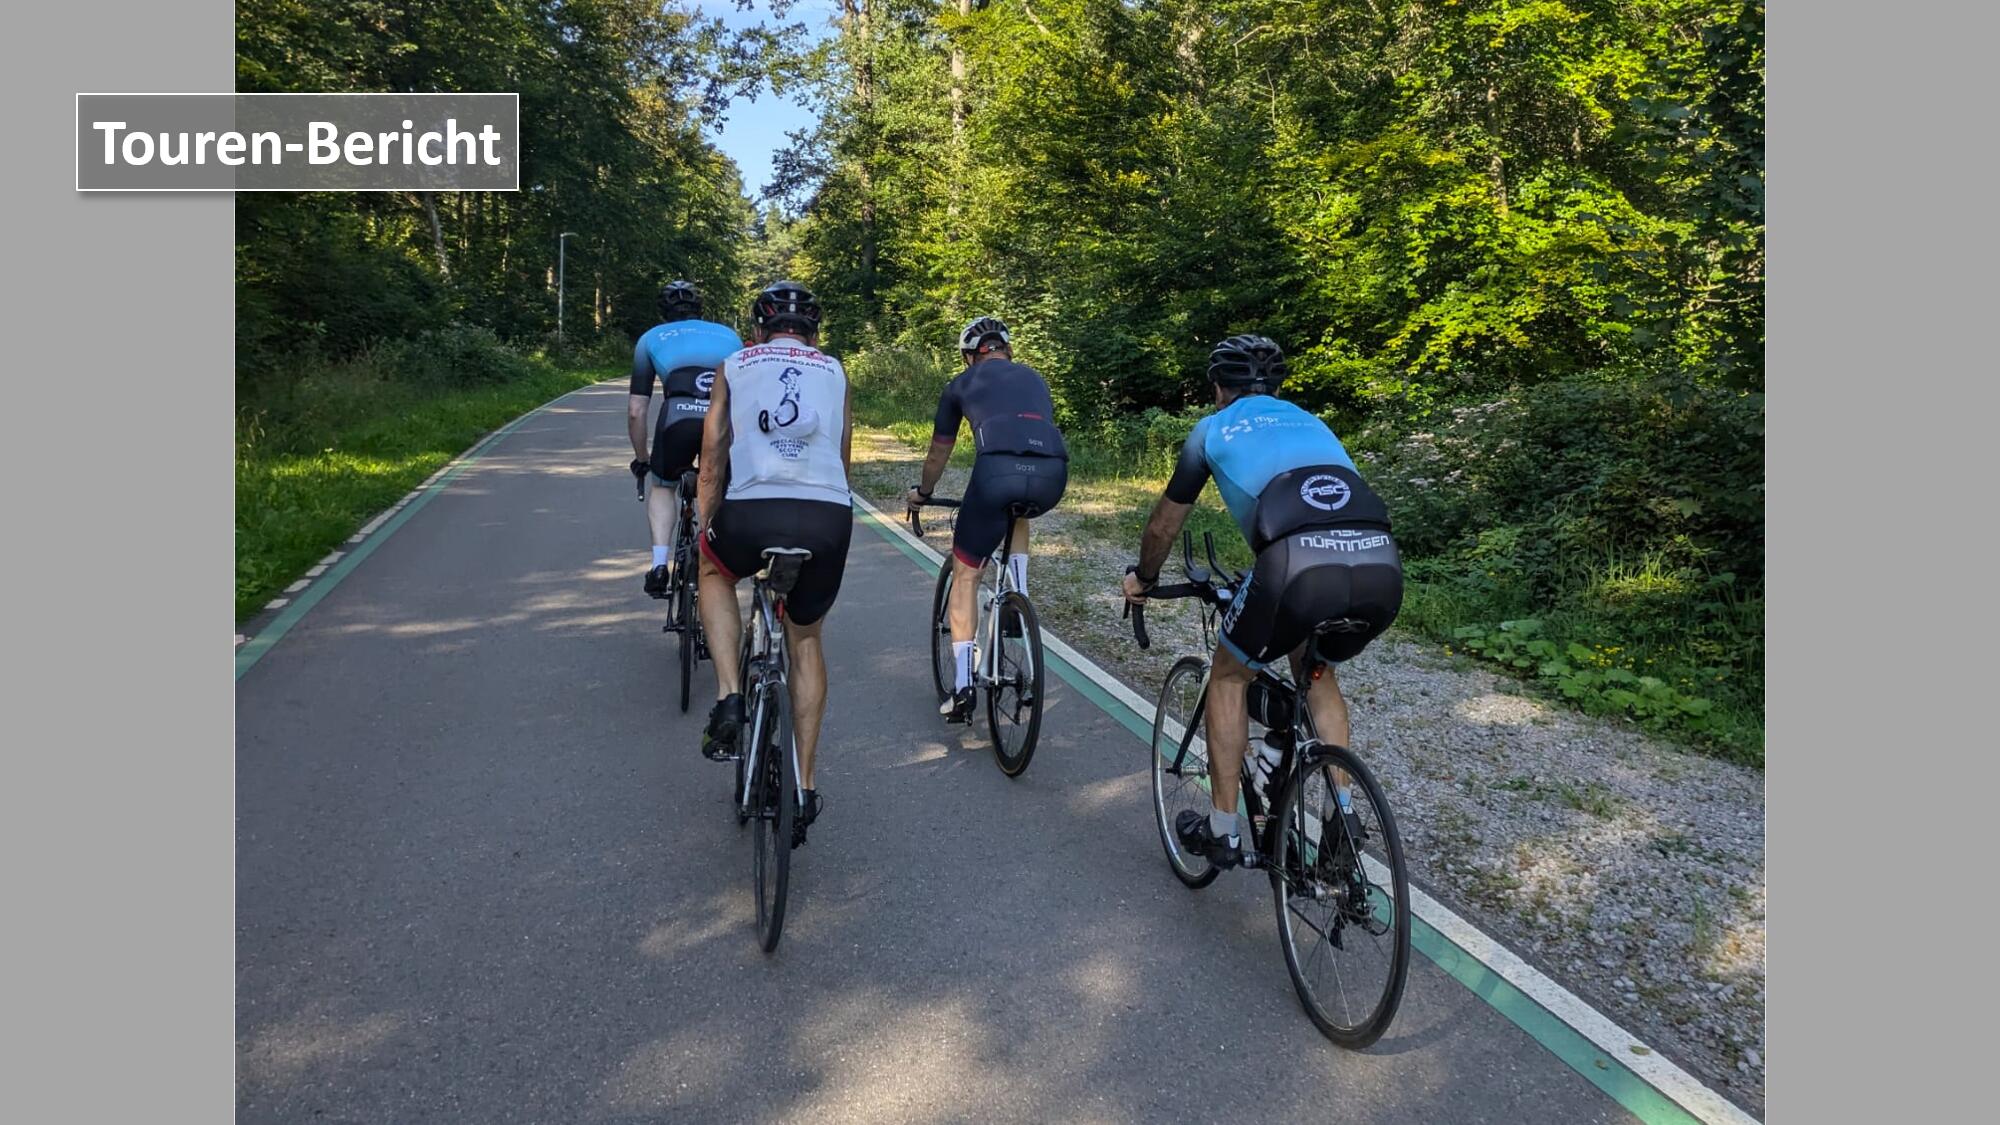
(787, 411)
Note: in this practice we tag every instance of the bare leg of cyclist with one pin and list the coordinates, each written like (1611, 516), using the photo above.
(1228, 727)
(808, 680)
(963, 604)
(663, 511)
(1017, 555)
(1328, 706)
(723, 626)
(1323, 699)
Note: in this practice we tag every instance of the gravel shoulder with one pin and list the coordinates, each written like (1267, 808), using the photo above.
(1625, 866)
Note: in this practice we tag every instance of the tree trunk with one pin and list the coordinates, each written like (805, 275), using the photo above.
(861, 40)
(959, 161)
(1496, 168)
(437, 235)
(958, 79)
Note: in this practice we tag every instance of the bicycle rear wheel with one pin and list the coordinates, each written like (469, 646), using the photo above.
(1343, 897)
(1177, 723)
(775, 799)
(943, 671)
(1014, 698)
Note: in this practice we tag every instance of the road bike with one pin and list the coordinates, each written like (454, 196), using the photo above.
(766, 755)
(683, 615)
(1319, 825)
(1007, 654)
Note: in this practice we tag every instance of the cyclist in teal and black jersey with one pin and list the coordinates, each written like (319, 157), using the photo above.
(682, 352)
(1327, 578)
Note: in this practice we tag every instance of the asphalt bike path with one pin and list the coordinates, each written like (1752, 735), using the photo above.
(483, 873)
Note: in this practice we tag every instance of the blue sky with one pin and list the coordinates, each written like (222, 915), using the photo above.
(756, 129)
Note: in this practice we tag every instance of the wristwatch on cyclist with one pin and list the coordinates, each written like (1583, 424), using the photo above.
(1133, 570)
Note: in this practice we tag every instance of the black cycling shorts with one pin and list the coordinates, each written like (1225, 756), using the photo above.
(742, 529)
(1000, 481)
(676, 444)
(1349, 579)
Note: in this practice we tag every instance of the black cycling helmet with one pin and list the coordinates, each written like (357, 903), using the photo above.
(981, 330)
(680, 300)
(1249, 363)
(786, 306)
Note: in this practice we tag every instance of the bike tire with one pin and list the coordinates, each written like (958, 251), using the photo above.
(943, 670)
(1299, 864)
(1172, 793)
(1023, 688)
(684, 608)
(776, 804)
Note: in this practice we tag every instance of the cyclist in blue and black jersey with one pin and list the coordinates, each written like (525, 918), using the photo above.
(1327, 579)
(682, 352)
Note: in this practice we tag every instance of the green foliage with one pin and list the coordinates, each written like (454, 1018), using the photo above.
(613, 97)
(1427, 203)
(322, 454)
(1607, 679)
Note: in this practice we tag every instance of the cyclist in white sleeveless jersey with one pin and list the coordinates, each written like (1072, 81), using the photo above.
(779, 434)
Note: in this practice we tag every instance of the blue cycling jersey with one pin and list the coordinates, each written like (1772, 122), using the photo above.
(679, 345)
(1245, 444)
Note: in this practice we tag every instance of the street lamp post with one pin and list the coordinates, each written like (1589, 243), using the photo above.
(561, 246)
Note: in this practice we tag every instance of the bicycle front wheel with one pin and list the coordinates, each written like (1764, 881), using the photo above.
(690, 626)
(943, 672)
(1180, 765)
(775, 801)
(1014, 698)
(1343, 896)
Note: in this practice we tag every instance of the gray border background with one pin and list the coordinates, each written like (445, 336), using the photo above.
(1880, 711)
(118, 810)
(118, 802)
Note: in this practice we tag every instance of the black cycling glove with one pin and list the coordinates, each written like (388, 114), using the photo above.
(639, 469)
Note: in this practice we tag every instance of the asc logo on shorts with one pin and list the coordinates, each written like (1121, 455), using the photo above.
(704, 382)
(1326, 492)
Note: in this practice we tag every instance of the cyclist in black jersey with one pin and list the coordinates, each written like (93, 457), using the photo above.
(1020, 461)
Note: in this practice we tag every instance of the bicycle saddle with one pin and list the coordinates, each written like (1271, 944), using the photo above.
(1342, 625)
(782, 566)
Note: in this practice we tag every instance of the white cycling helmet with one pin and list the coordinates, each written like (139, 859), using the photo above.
(981, 330)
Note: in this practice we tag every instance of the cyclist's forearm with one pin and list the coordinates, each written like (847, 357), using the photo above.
(1158, 540)
(635, 425)
(934, 463)
(714, 462)
(708, 481)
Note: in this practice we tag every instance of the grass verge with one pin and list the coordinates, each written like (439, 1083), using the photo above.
(309, 474)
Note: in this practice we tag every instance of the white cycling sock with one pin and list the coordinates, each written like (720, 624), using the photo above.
(1222, 825)
(961, 653)
(1017, 566)
(659, 555)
